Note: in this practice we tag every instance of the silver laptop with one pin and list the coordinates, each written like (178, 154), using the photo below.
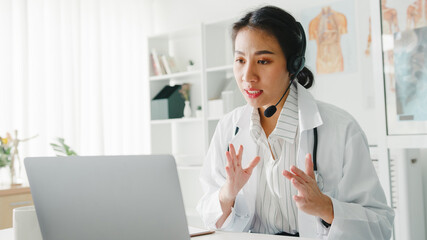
(107, 197)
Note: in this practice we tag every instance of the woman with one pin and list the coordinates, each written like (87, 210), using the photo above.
(259, 174)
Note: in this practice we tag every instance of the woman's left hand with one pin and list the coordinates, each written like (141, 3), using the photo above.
(310, 199)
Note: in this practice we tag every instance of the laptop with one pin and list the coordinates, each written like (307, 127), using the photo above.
(107, 197)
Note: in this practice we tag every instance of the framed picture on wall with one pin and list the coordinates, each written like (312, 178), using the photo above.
(404, 35)
(331, 37)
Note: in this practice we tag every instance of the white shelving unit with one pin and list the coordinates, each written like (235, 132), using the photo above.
(187, 139)
(209, 47)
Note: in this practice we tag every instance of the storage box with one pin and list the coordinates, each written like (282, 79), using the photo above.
(216, 108)
(168, 103)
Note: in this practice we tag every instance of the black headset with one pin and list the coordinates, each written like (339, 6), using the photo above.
(296, 62)
(295, 65)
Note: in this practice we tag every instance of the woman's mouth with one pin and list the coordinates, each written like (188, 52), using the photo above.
(253, 93)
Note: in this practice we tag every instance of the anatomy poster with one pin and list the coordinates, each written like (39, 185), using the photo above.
(404, 35)
(416, 14)
(331, 38)
(410, 61)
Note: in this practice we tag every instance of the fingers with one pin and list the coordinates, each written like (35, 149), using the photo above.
(300, 173)
(299, 183)
(230, 162)
(239, 156)
(300, 186)
(234, 161)
(233, 155)
(253, 164)
(298, 198)
(227, 169)
(309, 170)
(290, 176)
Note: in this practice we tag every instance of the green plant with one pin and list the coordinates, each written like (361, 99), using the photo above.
(185, 91)
(62, 149)
(5, 152)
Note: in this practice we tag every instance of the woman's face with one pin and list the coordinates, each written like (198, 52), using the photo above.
(259, 67)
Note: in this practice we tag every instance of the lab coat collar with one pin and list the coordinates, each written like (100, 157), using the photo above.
(308, 112)
(243, 121)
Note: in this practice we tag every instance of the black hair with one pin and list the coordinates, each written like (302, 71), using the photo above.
(284, 28)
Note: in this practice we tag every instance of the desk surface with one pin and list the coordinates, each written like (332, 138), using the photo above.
(7, 234)
(6, 190)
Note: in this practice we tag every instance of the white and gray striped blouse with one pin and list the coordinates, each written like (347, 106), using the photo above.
(275, 209)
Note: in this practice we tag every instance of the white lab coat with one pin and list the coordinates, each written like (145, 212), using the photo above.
(343, 159)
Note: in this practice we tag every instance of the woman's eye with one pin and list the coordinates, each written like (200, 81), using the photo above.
(263, 62)
(239, 60)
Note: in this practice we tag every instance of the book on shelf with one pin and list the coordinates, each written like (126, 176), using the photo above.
(169, 64)
(172, 65)
(157, 65)
(165, 62)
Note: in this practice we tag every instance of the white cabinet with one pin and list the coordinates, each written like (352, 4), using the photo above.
(209, 47)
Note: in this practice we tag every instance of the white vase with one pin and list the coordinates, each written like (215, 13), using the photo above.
(187, 109)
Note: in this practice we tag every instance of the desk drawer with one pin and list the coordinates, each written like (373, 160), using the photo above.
(8, 203)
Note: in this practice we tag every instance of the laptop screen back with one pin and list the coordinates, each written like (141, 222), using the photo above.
(107, 197)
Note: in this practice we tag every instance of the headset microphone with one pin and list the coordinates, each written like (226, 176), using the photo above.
(270, 111)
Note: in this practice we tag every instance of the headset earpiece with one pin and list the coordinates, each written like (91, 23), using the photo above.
(297, 62)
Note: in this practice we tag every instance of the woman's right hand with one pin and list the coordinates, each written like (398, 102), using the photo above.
(237, 176)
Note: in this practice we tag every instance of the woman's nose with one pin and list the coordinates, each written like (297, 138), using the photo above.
(249, 74)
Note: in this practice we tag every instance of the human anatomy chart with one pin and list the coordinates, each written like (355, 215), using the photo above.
(326, 28)
(331, 38)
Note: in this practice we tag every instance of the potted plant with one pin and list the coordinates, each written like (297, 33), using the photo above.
(5, 151)
(62, 149)
(185, 93)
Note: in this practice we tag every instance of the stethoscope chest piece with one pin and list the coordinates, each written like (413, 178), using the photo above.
(319, 180)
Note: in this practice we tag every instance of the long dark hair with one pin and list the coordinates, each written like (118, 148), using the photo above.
(284, 28)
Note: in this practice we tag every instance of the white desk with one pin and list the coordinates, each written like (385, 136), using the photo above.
(7, 234)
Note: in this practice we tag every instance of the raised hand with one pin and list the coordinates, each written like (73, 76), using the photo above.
(310, 199)
(237, 176)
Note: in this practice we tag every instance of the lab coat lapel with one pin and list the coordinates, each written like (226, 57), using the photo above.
(243, 137)
(309, 118)
(308, 112)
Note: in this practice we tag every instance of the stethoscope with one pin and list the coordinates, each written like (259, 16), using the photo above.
(317, 175)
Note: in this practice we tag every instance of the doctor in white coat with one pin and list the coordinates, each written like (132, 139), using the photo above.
(269, 184)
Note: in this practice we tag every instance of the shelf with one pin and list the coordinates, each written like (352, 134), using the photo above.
(176, 120)
(407, 141)
(217, 118)
(220, 68)
(174, 75)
